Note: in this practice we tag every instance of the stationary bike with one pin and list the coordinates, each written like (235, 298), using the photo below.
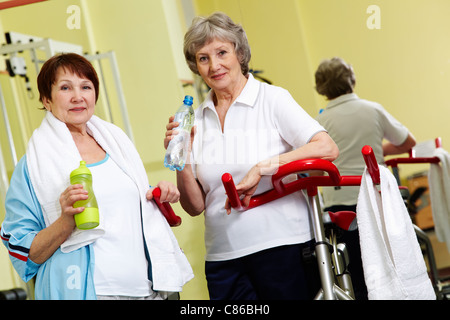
(332, 257)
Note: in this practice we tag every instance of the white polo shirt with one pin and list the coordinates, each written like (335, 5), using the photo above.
(263, 122)
(353, 123)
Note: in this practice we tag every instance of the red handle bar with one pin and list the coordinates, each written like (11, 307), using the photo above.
(395, 162)
(166, 209)
(411, 159)
(371, 163)
(309, 183)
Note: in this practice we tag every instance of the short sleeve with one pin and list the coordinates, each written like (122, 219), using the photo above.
(294, 124)
(394, 131)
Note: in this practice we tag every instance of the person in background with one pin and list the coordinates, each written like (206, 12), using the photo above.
(132, 254)
(353, 122)
(249, 129)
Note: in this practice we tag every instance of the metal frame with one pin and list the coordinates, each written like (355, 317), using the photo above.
(111, 56)
(335, 280)
(17, 3)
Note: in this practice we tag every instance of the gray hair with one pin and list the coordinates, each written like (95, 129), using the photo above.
(216, 26)
(334, 77)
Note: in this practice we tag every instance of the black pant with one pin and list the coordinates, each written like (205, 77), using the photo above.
(351, 239)
(280, 273)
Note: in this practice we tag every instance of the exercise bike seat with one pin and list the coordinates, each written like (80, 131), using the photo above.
(345, 220)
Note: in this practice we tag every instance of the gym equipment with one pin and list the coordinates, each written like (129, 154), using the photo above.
(166, 209)
(331, 257)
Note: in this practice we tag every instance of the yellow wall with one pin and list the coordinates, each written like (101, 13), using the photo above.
(405, 66)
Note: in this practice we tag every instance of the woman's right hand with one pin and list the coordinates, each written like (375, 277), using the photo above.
(49, 239)
(170, 132)
(72, 194)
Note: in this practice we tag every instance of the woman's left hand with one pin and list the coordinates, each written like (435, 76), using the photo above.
(169, 192)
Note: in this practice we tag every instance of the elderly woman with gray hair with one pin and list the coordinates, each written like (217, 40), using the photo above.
(247, 128)
(352, 123)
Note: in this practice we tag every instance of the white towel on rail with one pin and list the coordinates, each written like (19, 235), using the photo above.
(394, 268)
(52, 155)
(439, 183)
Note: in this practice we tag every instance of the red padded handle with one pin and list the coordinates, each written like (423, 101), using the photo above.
(305, 165)
(166, 209)
(309, 183)
(231, 191)
(395, 162)
(371, 163)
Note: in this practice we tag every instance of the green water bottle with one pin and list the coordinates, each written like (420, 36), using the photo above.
(89, 218)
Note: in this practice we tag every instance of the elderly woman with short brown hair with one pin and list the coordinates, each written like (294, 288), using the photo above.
(132, 254)
(353, 123)
(247, 128)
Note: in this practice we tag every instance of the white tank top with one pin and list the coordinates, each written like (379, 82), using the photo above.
(120, 263)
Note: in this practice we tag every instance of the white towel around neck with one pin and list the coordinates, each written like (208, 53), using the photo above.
(52, 155)
(394, 268)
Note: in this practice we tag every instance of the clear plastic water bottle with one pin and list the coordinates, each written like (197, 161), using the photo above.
(176, 153)
(89, 218)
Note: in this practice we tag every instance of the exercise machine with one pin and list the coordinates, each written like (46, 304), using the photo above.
(331, 257)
